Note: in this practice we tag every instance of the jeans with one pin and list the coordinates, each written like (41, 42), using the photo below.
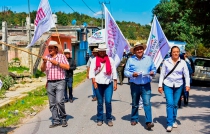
(68, 85)
(104, 91)
(94, 91)
(143, 90)
(172, 97)
(56, 100)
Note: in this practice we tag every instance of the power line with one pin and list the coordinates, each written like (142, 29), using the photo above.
(88, 6)
(68, 5)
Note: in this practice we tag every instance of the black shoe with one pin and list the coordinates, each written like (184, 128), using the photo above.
(66, 100)
(64, 123)
(54, 125)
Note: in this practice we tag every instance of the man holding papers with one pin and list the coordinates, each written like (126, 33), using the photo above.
(139, 68)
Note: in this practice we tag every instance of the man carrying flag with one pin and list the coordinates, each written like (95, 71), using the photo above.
(43, 22)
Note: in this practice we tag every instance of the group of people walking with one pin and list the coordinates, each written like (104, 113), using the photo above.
(101, 69)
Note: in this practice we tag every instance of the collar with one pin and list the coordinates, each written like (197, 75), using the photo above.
(171, 61)
(134, 56)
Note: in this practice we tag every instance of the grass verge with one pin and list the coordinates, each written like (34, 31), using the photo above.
(12, 114)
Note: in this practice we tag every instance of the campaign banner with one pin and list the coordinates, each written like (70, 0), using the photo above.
(115, 40)
(97, 37)
(157, 43)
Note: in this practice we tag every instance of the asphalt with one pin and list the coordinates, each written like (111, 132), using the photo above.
(194, 119)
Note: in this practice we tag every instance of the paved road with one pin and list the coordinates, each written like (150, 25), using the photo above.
(194, 119)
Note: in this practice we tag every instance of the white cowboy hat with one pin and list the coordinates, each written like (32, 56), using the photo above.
(67, 51)
(102, 47)
(54, 43)
(138, 44)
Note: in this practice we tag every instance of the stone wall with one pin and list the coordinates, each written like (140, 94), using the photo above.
(3, 62)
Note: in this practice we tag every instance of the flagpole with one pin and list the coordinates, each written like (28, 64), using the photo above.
(21, 49)
(59, 38)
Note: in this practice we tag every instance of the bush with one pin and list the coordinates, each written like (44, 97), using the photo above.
(7, 82)
(39, 74)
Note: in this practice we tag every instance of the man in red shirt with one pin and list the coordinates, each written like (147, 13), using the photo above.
(54, 65)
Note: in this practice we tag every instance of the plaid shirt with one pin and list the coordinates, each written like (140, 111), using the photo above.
(55, 72)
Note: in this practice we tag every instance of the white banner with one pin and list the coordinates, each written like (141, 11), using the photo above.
(115, 41)
(97, 37)
(157, 43)
(44, 21)
(1, 84)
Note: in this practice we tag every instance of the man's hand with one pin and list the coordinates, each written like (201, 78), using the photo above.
(44, 59)
(151, 73)
(160, 90)
(87, 76)
(187, 88)
(54, 62)
(135, 74)
(95, 85)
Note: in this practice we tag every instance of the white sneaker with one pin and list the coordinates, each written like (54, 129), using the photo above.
(140, 108)
(175, 125)
(169, 129)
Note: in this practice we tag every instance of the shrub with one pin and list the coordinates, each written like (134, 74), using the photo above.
(7, 82)
(39, 74)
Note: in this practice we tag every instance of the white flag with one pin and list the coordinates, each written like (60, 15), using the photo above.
(115, 41)
(1, 84)
(97, 37)
(157, 43)
(44, 21)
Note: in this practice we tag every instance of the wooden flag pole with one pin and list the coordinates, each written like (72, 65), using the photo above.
(20, 49)
(59, 38)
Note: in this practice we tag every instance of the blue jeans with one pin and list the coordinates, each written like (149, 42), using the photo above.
(143, 90)
(69, 84)
(172, 97)
(104, 91)
(94, 91)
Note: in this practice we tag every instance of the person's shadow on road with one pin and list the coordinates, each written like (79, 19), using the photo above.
(94, 118)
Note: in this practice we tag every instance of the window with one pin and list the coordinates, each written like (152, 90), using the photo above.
(65, 45)
(202, 62)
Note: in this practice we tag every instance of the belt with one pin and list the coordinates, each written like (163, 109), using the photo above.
(140, 84)
(54, 80)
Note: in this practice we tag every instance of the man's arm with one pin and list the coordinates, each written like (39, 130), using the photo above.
(43, 66)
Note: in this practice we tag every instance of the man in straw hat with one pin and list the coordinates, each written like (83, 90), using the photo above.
(55, 65)
(69, 77)
(140, 68)
(94, 54)
(103, 73)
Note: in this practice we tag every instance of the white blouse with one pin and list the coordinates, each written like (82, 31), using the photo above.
(102, 78)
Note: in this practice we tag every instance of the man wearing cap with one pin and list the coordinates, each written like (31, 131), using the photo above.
(139, 68)
(69, 77)
(55, 65)
(94, 54)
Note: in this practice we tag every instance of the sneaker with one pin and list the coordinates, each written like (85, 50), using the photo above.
(149, 125)
(64, 123)
(110, 123)
(71, 100)
(140, 107)
(54, 125)
(175, 125)
(99, 123)
(169, 129)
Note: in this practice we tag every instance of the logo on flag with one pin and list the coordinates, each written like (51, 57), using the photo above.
(157, 43)
(97, 37)
(43, 22)
(115, 41)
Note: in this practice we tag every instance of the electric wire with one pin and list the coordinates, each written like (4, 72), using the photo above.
(88, 6)
(68, 5)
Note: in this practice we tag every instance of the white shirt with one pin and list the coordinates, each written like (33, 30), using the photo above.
(176, 77)
(102, 78)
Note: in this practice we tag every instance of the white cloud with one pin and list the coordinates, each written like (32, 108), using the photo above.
(98, 13)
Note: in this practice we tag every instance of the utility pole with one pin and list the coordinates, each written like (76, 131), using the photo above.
(28, 23)
(4, 35)
(102, 11)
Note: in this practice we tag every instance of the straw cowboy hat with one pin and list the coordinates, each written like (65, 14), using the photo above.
(102, 47)
(54, 43)
(67, 51)
(95, 50)
(138, 44)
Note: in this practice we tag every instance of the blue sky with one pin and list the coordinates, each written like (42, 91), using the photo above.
(139, 11)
